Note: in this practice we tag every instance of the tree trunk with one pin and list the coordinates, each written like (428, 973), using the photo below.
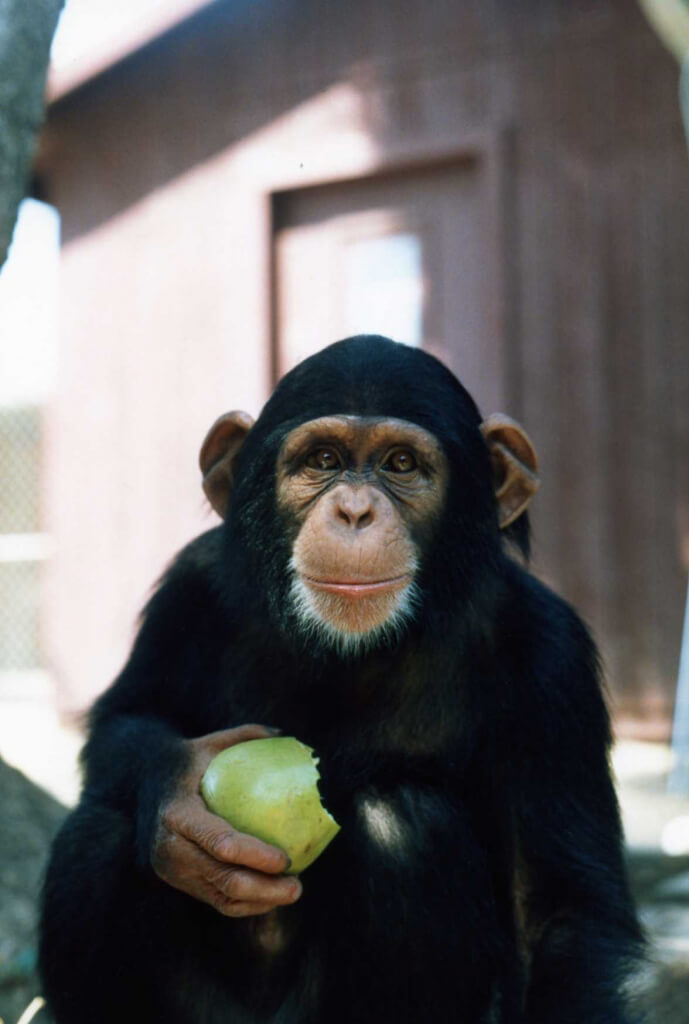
(26, 32)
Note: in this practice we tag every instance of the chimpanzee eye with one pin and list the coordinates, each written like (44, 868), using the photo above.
(324, 459)
(401, 461)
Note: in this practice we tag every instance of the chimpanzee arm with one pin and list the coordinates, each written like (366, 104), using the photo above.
(131, 763)
(136, 747)
(579, 920)
(152, 736)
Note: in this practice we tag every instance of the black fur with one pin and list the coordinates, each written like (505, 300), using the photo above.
(478, 877)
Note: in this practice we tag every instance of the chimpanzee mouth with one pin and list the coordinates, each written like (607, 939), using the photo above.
(334, 614)
(355, 589)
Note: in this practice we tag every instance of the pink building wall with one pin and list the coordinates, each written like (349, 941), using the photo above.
(163, 170)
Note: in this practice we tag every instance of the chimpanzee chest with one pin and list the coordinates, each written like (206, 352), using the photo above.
(401, 898)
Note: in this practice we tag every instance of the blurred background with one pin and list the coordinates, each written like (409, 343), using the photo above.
(224, 187)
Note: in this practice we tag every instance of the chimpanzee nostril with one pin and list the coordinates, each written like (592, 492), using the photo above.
(354, 508)
(355, 519)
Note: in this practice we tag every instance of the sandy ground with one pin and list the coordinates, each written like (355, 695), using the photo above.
(34, 800)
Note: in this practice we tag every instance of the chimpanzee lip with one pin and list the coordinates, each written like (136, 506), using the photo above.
(358, 587)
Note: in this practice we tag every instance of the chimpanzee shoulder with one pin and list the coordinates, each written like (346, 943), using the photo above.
(554, 665)
(191, 583)
(181, 628)
(197, 562)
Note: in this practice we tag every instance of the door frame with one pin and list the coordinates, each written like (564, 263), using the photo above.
(492, 150)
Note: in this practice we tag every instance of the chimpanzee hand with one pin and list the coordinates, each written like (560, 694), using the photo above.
(200, 854)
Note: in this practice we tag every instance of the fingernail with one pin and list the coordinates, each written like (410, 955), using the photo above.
(271, 728)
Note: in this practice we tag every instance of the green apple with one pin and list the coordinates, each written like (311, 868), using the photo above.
(269, 789)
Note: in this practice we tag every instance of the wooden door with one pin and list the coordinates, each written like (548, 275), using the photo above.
(410, 255)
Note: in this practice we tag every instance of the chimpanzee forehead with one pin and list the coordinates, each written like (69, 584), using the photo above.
(371, 376)
(361, 436)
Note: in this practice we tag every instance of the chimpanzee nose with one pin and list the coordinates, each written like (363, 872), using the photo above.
(354, 507)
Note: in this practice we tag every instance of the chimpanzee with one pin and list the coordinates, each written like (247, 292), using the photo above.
(366, 593)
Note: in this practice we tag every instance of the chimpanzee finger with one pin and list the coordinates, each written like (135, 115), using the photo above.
(228, 908)
(224, 843)
(206, 747)
(243, 886)
(195, 873)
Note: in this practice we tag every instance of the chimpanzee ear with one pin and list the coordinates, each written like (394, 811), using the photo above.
(515, 466)
(218, 454)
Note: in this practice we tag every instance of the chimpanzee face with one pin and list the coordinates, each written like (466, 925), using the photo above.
(363, 494)
(368, 459)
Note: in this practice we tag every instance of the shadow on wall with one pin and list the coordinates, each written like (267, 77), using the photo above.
(203, 64)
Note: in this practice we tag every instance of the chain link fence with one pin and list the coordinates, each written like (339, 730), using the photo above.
(21, 541)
